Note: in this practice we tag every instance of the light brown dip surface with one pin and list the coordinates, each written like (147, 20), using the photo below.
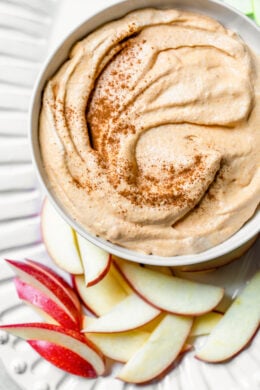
(150, 132)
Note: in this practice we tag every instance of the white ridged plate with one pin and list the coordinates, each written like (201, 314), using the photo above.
(28, 29)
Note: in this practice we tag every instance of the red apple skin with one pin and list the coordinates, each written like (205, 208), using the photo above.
(103, 273)
(56, 328)
(30, 294)
(81, 300)
(186, 348)
(49, 272)
(63, 358)
(48, 282)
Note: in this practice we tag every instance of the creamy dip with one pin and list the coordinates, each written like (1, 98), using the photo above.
(149, 133)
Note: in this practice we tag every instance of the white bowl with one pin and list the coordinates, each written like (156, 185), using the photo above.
(230, 18)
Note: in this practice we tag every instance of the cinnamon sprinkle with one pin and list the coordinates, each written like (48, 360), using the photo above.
(108, 130)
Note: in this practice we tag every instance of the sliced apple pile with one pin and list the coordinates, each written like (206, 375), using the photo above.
(132, 325)
(142, 316)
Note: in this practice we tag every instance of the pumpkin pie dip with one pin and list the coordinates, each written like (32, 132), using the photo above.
(150, 132)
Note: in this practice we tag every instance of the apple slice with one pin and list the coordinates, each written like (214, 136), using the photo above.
(130, 313)
(47, 285)
(67, 289)
(65, 348)
(169, 293)
(237, 327)
(102, 297)
(95, 261)
(117, 346)
(203, 325)
(30, 294)
(60, 240)
(159, 351)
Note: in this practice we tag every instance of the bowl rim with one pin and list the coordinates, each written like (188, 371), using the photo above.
(250, 229)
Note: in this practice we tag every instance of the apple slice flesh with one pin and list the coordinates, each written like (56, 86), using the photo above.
(121, 280)
(237, 327)
(30, 294)
(42, 314)
(205, 324)
(95, 261)
(130, 313)
(66, 338)
(102, 297)
(118, 346)
(50, 273)
(60, 240)
(159, 351)
(122, 346)
(48, 286)
(169, 293)
(150, 326)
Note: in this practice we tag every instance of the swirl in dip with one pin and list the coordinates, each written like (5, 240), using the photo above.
(149, 133)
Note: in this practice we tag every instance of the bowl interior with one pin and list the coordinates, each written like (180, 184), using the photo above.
(226, 15)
